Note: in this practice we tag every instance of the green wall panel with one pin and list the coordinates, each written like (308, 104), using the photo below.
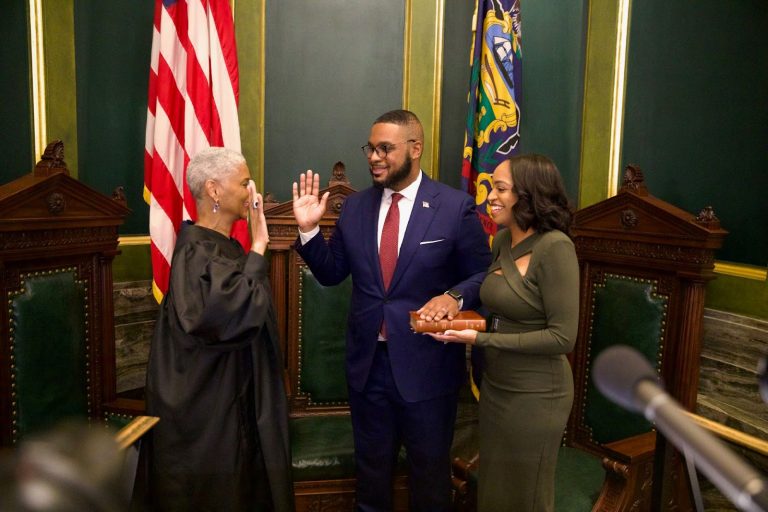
(113, 41)
(697, 112)
(737, 295)
(134, 263)
(332, 67)
(457, 43)
(16, 153)
(553, 83)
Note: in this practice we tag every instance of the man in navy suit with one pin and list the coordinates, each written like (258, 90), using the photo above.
(403, 386)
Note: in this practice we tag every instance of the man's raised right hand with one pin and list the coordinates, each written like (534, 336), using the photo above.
(308, 207)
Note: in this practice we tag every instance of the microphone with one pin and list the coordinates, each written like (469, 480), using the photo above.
(624, 376)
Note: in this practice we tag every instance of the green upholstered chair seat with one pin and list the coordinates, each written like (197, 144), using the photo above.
(322, 448)
(578, 479)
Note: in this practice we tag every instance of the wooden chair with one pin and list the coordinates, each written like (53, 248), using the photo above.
(312, 320)
(643, 265)
(57, 241)
(57, 355)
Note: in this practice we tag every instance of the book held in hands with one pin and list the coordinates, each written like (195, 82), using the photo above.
(463, 320)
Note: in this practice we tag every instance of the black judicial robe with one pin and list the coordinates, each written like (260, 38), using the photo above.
(215, 380)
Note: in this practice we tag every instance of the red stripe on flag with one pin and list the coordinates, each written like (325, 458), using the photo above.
(152, 93)
(225, 27)
(165, 192)
(161, 270)
(199, 91)
(189, 199)
(158, 11)
(178, 14)
(171, 99)
(147, 171)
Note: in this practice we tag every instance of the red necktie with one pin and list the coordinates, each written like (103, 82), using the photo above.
(388, 246)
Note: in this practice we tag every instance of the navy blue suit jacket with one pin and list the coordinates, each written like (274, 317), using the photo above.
(444, 247)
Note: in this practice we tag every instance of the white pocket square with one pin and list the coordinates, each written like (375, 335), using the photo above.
(426, 242)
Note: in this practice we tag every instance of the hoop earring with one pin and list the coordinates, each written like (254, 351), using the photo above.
(216, 206)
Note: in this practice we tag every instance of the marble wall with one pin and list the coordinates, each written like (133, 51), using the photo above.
(728, 385)
(135, 312)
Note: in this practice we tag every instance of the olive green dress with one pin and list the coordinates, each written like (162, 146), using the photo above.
(527, 386)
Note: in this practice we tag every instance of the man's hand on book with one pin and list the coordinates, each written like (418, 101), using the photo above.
(466, 336)
(442, 306)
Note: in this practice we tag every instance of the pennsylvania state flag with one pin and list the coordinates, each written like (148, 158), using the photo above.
(493, 119)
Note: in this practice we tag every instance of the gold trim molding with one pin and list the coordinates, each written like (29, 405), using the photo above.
(604, 94)
(437, 89)
(407, 53)
(134, 240)
(741, 270)
(250, 31)
(37, 55)
(619, 91)
(422, 72)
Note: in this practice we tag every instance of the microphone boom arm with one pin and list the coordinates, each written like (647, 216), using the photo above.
(736, 479)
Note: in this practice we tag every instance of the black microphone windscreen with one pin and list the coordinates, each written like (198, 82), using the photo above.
(616, 373)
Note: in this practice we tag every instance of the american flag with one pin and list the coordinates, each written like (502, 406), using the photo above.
(192, 104)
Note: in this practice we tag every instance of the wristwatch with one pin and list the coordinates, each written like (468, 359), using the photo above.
(456, 296)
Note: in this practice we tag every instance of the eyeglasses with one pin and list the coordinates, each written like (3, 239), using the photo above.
(382, 150)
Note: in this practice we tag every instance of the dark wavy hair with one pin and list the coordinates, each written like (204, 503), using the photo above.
(542, 203)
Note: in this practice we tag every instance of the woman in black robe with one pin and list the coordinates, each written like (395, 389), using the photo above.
(215, 370)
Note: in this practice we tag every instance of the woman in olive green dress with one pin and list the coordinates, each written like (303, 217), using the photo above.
(532, 289)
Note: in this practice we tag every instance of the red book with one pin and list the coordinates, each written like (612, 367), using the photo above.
(463, 320)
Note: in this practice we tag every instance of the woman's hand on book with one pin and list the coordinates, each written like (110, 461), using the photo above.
(466, 336)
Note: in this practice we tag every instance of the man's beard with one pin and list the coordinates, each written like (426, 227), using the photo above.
(400, 174)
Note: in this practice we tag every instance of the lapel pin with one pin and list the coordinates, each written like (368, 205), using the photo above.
(424, 204)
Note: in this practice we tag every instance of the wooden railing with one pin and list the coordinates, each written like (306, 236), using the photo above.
(133, 431)
(732, 435)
